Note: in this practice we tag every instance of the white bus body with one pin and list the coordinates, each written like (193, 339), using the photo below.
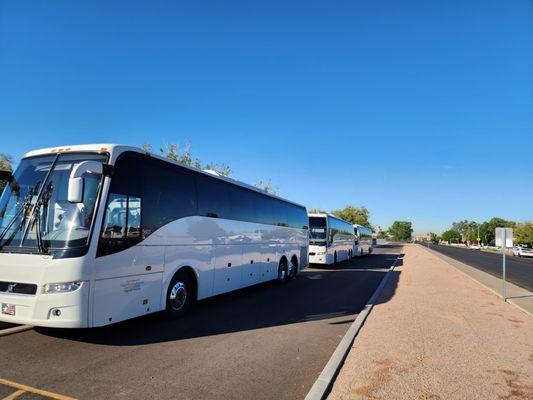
(331, 239)
(116, 233)
(363, 239)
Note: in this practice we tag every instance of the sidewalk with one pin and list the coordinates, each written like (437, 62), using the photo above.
(437, 334)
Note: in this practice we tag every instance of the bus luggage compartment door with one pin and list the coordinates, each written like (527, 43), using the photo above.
(228, 268)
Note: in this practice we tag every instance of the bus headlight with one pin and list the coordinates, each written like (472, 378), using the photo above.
(61, 287)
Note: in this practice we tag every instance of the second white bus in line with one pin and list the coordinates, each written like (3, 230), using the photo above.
(331, 239)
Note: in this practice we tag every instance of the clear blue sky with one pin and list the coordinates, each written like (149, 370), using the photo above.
(419, 110)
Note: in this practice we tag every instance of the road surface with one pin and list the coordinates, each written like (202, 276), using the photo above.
(266, 342)
(518, 270)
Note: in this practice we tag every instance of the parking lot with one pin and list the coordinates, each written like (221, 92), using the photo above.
(268, 341)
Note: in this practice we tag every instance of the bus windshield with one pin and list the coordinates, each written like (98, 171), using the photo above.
(35, 213)
(317, 231)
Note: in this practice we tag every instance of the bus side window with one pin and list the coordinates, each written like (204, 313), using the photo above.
(115, 217)
(122, 223)
(134, 218)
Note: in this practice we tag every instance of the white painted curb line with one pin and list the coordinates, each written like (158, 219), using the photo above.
(323, 384)
(15, 329)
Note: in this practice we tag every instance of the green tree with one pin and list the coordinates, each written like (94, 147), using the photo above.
(464, 227)
(183, 155)
(401, 230)
(383, 235)
(433, 238)
(267, 187)
(523, 233)
(472, 234)
(6, 164)
(451, 236)
(354, 214)
(487, 230)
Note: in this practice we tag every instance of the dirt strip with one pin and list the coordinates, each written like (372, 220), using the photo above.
(436, 334)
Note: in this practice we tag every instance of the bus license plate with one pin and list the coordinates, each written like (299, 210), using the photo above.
(8, 309)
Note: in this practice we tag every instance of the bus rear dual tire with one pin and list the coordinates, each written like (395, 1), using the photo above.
(286, 271)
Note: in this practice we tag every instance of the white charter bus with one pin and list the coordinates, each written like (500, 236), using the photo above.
(95, 234)
(363, 240)
(331, 239)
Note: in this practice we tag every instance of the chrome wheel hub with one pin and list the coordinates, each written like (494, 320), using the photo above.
(178, 296)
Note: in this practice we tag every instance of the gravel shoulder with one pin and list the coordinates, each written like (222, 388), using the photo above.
(436, 334)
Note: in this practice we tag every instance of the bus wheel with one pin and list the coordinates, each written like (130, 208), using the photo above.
(180, 295)
(293, 268)
(282, 270)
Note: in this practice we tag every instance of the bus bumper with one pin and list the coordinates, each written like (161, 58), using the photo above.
(57, 310)
(318, 259)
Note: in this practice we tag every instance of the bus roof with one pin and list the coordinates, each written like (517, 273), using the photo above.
(117, 149)
(325, 215)
(362, 226)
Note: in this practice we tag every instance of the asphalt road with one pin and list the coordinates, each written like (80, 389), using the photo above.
(518, 270)
(266, 342)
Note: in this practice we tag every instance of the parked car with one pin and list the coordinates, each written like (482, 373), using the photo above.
(522, 251)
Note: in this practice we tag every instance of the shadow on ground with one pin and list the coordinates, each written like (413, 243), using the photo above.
(392, 284)
(316, 294)
(5, 325)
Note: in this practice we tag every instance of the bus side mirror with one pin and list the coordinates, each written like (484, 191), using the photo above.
(76, 182)
(75, 190)
(6, 176)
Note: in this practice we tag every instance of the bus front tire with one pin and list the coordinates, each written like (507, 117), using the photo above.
(293, 268)
(282, 271)
(180, 295)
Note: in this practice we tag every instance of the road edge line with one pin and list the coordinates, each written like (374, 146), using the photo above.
(322, 386)
(496, 293)
(15, 329)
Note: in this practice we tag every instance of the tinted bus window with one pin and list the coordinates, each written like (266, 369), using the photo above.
(169, 193)
(213, 197)
(297, 217)
(265, 209)
(280, 213)
(242, 204)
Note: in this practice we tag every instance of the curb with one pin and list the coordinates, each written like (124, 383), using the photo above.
(16, 329)
(445, 258)
(325, 380)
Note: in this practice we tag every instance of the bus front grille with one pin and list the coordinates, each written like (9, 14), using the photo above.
(20, 288)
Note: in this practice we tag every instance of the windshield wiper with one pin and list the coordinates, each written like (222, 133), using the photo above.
(23, 209)
(38, 201)
(37, 217)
